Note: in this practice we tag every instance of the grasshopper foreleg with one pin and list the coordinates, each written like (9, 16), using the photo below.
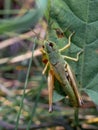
(46, 66)
(68, 45)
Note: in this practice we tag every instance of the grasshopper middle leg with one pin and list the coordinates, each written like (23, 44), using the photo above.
(72, 58)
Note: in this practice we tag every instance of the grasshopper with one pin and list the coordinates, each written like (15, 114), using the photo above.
(61, 70)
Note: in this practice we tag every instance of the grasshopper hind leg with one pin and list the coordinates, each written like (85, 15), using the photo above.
(50, 89)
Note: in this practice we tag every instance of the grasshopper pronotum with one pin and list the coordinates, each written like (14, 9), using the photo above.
(61, 70)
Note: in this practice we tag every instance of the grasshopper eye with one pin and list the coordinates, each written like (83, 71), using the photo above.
(43, 46)
(51, 44)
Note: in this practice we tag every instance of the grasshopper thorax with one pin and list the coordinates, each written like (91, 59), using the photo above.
(50, 47)
(52, 52)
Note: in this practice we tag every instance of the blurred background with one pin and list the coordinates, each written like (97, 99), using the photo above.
(23, 88)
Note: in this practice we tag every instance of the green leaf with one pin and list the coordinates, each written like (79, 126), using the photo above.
(57, 97)
(26, 21)
(80, 16)
(93, 94)
(93, 91)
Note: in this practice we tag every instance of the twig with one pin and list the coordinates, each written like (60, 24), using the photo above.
(54, 122)
(17, 37)
(20, 57)
(5, 90)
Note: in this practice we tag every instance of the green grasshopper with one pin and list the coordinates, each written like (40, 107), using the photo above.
(61, 70)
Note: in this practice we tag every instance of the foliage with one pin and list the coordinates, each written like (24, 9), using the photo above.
(79, 17)
(23, 89)
(28, 20)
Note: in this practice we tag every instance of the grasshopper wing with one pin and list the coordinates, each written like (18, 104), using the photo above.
(73, 82)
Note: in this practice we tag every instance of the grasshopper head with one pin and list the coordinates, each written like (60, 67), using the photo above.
(50, 46)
